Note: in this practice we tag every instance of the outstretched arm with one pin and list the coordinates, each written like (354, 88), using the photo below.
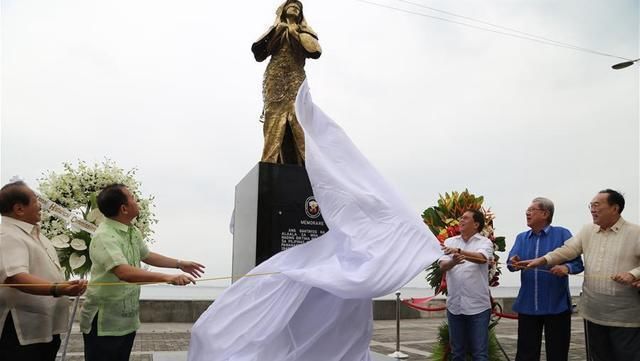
(531, 263)
(195, 269)
(44, 287)
(572, 267)
(132, 274)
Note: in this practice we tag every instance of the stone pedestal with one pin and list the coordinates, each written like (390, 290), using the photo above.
(274, 210)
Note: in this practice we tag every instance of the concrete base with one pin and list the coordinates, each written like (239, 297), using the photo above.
(172, 311)
(189, 311)
(386, 310)
(182, 356)
(170, 356)
(379, 357)
(163, 311)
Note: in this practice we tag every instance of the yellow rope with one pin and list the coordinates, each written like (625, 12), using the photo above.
(107, 284)
(600, 276)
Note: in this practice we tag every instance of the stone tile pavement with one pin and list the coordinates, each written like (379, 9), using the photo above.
(417, 336)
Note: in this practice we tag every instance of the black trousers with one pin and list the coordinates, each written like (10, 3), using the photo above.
(608, 343)
(557, 334)
(106, 348)
(11, 350)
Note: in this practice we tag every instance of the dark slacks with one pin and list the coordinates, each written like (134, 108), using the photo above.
(11, 350)
(557, 334)
(106, 348)
(608, 343)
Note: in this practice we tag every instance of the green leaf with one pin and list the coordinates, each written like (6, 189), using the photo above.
(501, 243)
(433, 220)
(94, 200)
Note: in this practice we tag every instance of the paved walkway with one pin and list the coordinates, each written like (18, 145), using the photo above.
(417, 338)
(169, 341)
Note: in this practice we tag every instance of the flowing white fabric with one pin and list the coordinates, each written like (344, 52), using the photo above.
(319, 307)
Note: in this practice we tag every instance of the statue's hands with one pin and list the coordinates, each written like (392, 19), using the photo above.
(282, 27)
(293, 28)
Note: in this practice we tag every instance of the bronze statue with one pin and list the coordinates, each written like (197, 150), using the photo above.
(289, 42)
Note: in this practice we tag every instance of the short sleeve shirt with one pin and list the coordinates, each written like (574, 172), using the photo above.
(117, 307)
(23, 250)
(468, 282)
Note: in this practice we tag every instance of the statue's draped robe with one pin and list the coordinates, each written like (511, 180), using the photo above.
(318, 308)
(283, 136)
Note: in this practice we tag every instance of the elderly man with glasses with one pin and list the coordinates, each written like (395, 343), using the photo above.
(609, 303)
(544, 300)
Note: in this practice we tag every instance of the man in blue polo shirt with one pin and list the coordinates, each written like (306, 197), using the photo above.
(544, 300)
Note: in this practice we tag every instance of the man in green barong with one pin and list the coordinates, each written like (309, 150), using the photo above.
(110, 315)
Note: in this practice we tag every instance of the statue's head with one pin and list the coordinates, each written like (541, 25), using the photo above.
(292, 8)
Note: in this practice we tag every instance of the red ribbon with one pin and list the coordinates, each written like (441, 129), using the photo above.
(416, 303)
(511, 316)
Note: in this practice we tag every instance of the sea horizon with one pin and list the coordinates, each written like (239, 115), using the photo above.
(209, 293)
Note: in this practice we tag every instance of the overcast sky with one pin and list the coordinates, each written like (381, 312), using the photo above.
(171, 87)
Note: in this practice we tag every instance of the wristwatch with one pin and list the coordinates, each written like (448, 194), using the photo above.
(54, 290)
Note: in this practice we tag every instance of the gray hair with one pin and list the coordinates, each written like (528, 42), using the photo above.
(546, 205)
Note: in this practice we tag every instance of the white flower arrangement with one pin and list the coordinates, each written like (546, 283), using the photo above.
(76, 189)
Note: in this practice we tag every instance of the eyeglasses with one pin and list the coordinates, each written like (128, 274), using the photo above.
(530, 210)
(594, 205)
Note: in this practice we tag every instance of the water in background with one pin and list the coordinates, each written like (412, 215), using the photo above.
(200, 293)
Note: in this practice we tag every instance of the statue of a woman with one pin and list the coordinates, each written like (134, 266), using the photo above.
(289, 42)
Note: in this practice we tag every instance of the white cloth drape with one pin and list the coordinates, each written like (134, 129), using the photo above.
(319, 306)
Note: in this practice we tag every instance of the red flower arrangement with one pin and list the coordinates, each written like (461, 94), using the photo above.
(443, 222)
